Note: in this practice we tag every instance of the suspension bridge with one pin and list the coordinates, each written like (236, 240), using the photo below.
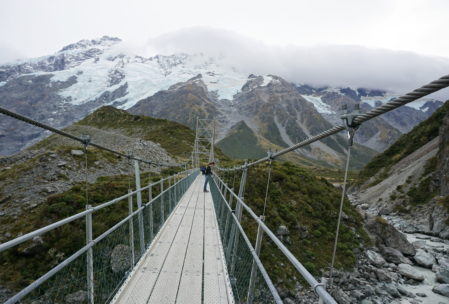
(178, 244)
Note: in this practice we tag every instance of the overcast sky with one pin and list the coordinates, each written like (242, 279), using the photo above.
(318, 37)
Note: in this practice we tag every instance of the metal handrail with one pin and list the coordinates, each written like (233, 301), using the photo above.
(256, 258)
(17, 297)
(318, 287)
(32, 234)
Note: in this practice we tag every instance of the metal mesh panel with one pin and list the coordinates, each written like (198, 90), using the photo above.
(113, 255)
(68, 283)
(239, 256)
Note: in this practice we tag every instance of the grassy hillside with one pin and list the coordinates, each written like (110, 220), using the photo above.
(404, 146)
(308, 207)
(176, 138)
(242, 143)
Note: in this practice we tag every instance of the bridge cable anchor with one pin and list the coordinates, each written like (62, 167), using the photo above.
(350, 123)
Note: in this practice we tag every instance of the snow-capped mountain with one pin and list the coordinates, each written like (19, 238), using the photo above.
(64, 87)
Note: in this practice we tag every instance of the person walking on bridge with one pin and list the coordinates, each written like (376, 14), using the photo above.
(208, 175)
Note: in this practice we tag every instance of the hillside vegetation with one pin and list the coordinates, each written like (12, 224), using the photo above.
(175, 138)
(404, 146)
(308, 207)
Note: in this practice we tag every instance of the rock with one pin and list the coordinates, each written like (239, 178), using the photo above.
(375, 258)
(288, 301)
(366, 301)
(78, 297)
(442, 289)
(442, 276)
(405, 292)
(423, 258)
(407, 271)
(77, 152)
(32, 248)
(282, 230)
(388, 236)
(340, 296)
(392, 290)
(419, 244)
(382, 275)
(394, 256)
(420, 294)
(357, 294)
(120, 258)
(62, 163)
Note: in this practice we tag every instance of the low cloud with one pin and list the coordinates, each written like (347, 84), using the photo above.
(335, 65)
(9, 54)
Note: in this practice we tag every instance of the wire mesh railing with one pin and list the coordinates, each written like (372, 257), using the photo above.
(249, 279)
(95, 272)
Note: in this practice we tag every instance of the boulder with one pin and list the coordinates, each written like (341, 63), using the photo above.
(33, 247)
(442, 289)
(388, 236)
(282, 230)
(78, 297)
(394, 256)
(407, 271)
(375, 258)
(120, 258)
(442, 275)
(77, 152)
(382, 275)
(424, 258)
(392, 290)
(405, 292)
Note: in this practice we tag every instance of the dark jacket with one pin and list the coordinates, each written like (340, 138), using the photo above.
(208, 170)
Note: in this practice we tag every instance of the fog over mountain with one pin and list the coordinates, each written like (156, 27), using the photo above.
(334, 65)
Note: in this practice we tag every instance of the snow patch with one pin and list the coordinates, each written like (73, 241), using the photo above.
(266, 80)
(319, 105)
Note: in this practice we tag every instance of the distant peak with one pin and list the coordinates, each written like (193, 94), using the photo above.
(105, 41)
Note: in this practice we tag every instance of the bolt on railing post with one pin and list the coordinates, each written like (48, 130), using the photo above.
(90, 258)
(150, 212)
(139, 205)
(131, 227)
(253, 278)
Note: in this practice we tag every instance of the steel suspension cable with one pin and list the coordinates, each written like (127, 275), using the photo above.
(71, 136)
(343, 194)
(425, 90)
(267, 188)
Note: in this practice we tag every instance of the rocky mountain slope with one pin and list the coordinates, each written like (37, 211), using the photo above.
(65, 87)
(271, 108)
(410, 178)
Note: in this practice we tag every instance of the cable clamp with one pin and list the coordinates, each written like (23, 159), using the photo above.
(351, 126)
(316, 286)
(85, 139)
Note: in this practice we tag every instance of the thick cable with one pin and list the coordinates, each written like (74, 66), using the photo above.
(425, 90)
(343, 194)
(86, 176)
(71, 136)
(267, 188)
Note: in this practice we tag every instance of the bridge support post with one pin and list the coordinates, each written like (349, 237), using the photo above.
(90, 259)
(170, 201)
(238, 214)
(150, 212)
(131, 227)
(139, 205)
(253, 278)
(162, 202)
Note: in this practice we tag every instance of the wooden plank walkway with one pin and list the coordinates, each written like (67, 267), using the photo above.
(184, 264)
